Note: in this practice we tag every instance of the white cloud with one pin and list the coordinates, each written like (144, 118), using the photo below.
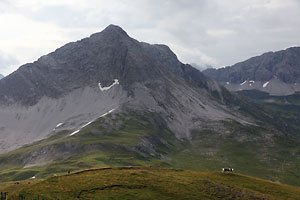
(6, 62)
(26, 39)
(193, 55)
(221, 33)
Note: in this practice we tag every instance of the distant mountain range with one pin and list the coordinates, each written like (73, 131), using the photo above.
(277, 73)
(1, 76)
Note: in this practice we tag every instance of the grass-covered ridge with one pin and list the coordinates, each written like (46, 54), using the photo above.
(152, 183)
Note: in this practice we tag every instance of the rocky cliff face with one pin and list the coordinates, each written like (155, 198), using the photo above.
(277, 73)
(106, 72)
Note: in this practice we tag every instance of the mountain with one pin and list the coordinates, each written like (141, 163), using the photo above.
(66, 88)
(1, 76)
(110, 100)
(271, 80)
(276, 73)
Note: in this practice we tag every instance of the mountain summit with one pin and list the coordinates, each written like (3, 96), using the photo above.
(113, 30)
(106, 71)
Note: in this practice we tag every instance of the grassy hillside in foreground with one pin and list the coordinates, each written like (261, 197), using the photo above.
(152, 183)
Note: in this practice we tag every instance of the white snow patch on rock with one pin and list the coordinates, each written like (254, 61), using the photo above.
(92, 122)
(74, 132)
(227, 83)
(112, 110)
(251, 81)
(266, 84)
(243, 83)
(33, 177)
(116, 82)
(58, 125)
(87, 124)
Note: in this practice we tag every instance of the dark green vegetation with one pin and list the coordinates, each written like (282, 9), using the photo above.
(142, 139)
(152, 183)
(259, 95)
(282, 111)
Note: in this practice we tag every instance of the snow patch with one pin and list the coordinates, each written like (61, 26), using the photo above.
(116, 82)
(87, 124)
(58, 125)
(251, 81)
(92, 121)
(74, 132)
(112, 110)
(227, 83)
(243, 83)
(266, 84)
(33, 177)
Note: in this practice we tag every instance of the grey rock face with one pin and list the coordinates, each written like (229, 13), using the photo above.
(62, 89)
(281, 69)
(110, 54)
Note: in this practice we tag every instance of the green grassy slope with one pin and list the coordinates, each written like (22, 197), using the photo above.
(264, 96)
(142, 139)
(281, 111)
(153, 183)
(118, 140)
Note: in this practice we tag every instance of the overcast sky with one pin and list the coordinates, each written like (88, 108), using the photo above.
(215, 32)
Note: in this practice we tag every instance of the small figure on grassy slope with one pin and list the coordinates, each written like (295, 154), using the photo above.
(227, 170)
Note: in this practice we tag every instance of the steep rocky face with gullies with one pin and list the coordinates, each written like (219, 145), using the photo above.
(103, 57)
(277, 73)
(103, 73)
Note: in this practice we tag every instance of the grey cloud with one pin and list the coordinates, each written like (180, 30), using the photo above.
(6, 61)
(60, 15)
(203, 31)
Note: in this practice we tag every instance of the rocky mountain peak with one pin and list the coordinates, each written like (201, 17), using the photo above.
(105, 56)
(114, 29)
(111, 32)
(85, 79)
